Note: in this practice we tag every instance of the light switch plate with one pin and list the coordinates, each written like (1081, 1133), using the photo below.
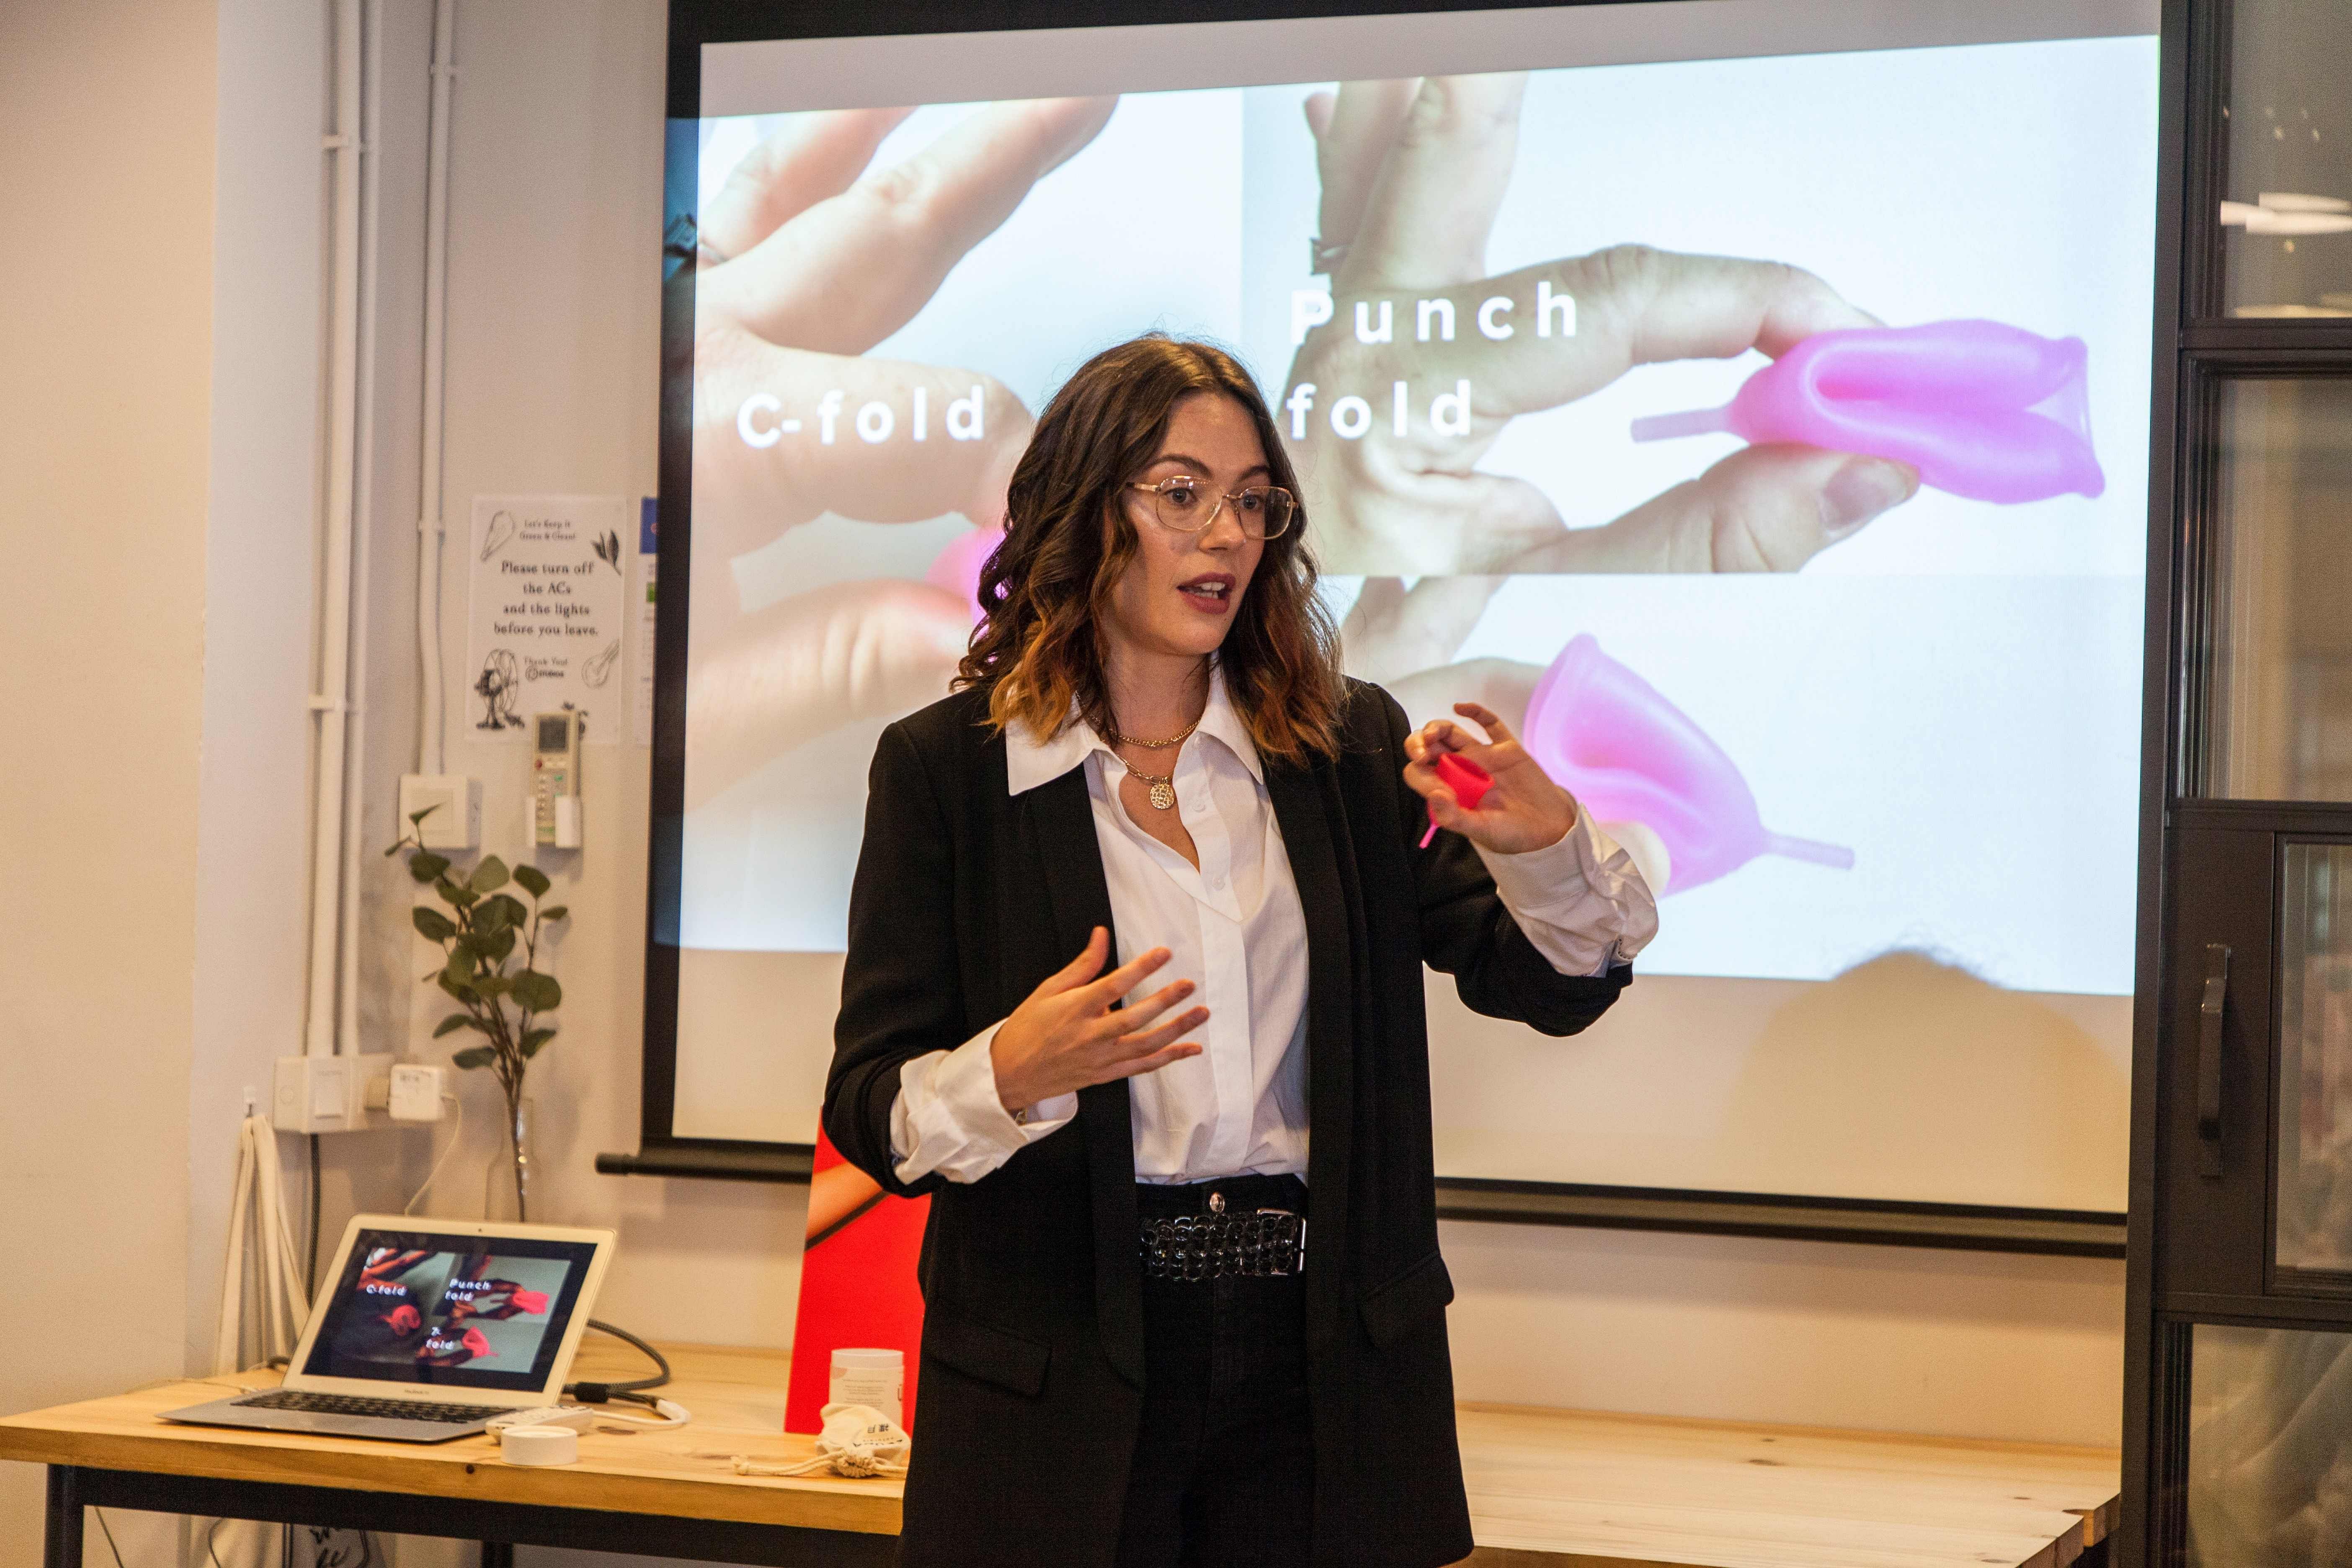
(452, 804)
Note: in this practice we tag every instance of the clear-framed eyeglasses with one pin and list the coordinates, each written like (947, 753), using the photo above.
(1189, 505)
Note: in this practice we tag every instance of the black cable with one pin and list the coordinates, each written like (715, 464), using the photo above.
(320, 1536)
(110, 1536)
(601, 1392)
(659, 1360)
(311, 1261)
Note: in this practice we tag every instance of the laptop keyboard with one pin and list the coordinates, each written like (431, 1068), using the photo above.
(349, 1404)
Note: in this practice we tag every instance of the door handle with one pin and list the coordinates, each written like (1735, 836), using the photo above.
(2208, 1057)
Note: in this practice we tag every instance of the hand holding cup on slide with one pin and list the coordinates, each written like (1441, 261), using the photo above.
(1412, 177)
(1658, 786)
(809, 258)
(1409, 640)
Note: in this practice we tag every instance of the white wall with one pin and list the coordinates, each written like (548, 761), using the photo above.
(106, 196)
(163, 366)
(254, 783)
(160, 401)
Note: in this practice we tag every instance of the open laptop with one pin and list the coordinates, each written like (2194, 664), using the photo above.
(428, 1329)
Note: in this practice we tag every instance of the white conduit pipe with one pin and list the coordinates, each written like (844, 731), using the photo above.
(332, 701)
(436, 314)
(347, 986)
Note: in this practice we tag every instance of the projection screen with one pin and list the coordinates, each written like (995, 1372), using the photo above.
(1493, 270)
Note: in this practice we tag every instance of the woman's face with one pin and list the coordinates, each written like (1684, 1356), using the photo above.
(1180, 593)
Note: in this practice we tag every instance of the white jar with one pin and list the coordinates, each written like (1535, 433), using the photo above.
(871, 1377)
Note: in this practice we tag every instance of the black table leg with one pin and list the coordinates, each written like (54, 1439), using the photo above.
(497, 1525)
(62, 1547)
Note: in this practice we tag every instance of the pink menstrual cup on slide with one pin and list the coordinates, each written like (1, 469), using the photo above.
(957, 568)
(1982, 410)
(1628, 755)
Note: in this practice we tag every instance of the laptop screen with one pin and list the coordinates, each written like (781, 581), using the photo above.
(486, 1312)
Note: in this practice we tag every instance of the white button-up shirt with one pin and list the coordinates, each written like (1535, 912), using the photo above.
(1235, 927)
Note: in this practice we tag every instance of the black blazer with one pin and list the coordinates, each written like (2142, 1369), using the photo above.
(966, 899)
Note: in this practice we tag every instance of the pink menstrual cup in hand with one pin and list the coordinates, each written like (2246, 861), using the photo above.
(1628, 755)
(1982, 410)
(1467, 779)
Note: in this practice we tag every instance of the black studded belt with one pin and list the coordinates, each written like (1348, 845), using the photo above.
(1224, 1244)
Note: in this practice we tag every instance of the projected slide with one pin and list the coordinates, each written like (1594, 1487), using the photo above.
(1750, 401)
(1766, 437)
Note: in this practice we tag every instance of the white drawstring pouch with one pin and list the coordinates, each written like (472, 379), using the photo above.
(857, 1441)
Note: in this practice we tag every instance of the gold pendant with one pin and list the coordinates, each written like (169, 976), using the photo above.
(1163, 795)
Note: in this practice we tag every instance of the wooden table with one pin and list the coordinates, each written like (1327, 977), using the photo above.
(661, 1494)
(1549, 1488)
(1570, 1488)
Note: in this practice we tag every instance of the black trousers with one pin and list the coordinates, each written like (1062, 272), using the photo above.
(1224, 1474)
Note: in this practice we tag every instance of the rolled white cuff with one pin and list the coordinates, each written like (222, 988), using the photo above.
(948, 1117)
(1583, 902)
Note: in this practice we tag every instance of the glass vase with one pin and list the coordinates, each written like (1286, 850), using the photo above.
(516, 1157)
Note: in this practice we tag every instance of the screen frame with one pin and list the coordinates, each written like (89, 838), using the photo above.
(460, 1232)
(662, 1151)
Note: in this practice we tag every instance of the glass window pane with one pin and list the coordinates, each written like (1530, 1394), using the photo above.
(2315, 1013)
(2277, 687)
(2270, 1474)
(2287, 207)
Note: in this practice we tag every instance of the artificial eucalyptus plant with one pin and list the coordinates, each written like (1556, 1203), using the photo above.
(478, 939)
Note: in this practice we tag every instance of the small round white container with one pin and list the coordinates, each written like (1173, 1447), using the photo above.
(871, 1377)
(540, 1446)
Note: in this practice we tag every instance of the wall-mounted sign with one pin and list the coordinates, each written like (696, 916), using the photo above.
(545, 631)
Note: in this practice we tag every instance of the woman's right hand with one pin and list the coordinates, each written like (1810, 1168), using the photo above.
(1067, 1035)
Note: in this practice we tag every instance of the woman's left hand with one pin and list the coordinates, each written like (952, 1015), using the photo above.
(1524, 809)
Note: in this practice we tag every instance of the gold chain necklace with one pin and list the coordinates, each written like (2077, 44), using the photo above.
(1177, 740)
(1164, 785)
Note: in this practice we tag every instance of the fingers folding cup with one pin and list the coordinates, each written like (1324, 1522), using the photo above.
(1627, 753)
(1467, 779)
(1983, 410)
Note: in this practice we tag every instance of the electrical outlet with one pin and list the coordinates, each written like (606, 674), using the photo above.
(330, 1094)
(311, 1094)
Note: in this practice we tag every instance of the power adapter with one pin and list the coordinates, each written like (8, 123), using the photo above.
(416, 1090)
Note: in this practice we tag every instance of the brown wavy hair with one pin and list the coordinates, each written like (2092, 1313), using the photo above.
(1069, 538)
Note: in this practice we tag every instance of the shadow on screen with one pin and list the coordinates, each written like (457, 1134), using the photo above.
(1907, 1075)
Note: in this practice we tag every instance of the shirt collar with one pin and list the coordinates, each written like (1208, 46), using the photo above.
(1029, 762)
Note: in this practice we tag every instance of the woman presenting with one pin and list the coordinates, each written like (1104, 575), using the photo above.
(1134, 990)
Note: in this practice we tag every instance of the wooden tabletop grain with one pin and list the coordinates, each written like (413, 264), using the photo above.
(1595, 1491)
(1555, 1488)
